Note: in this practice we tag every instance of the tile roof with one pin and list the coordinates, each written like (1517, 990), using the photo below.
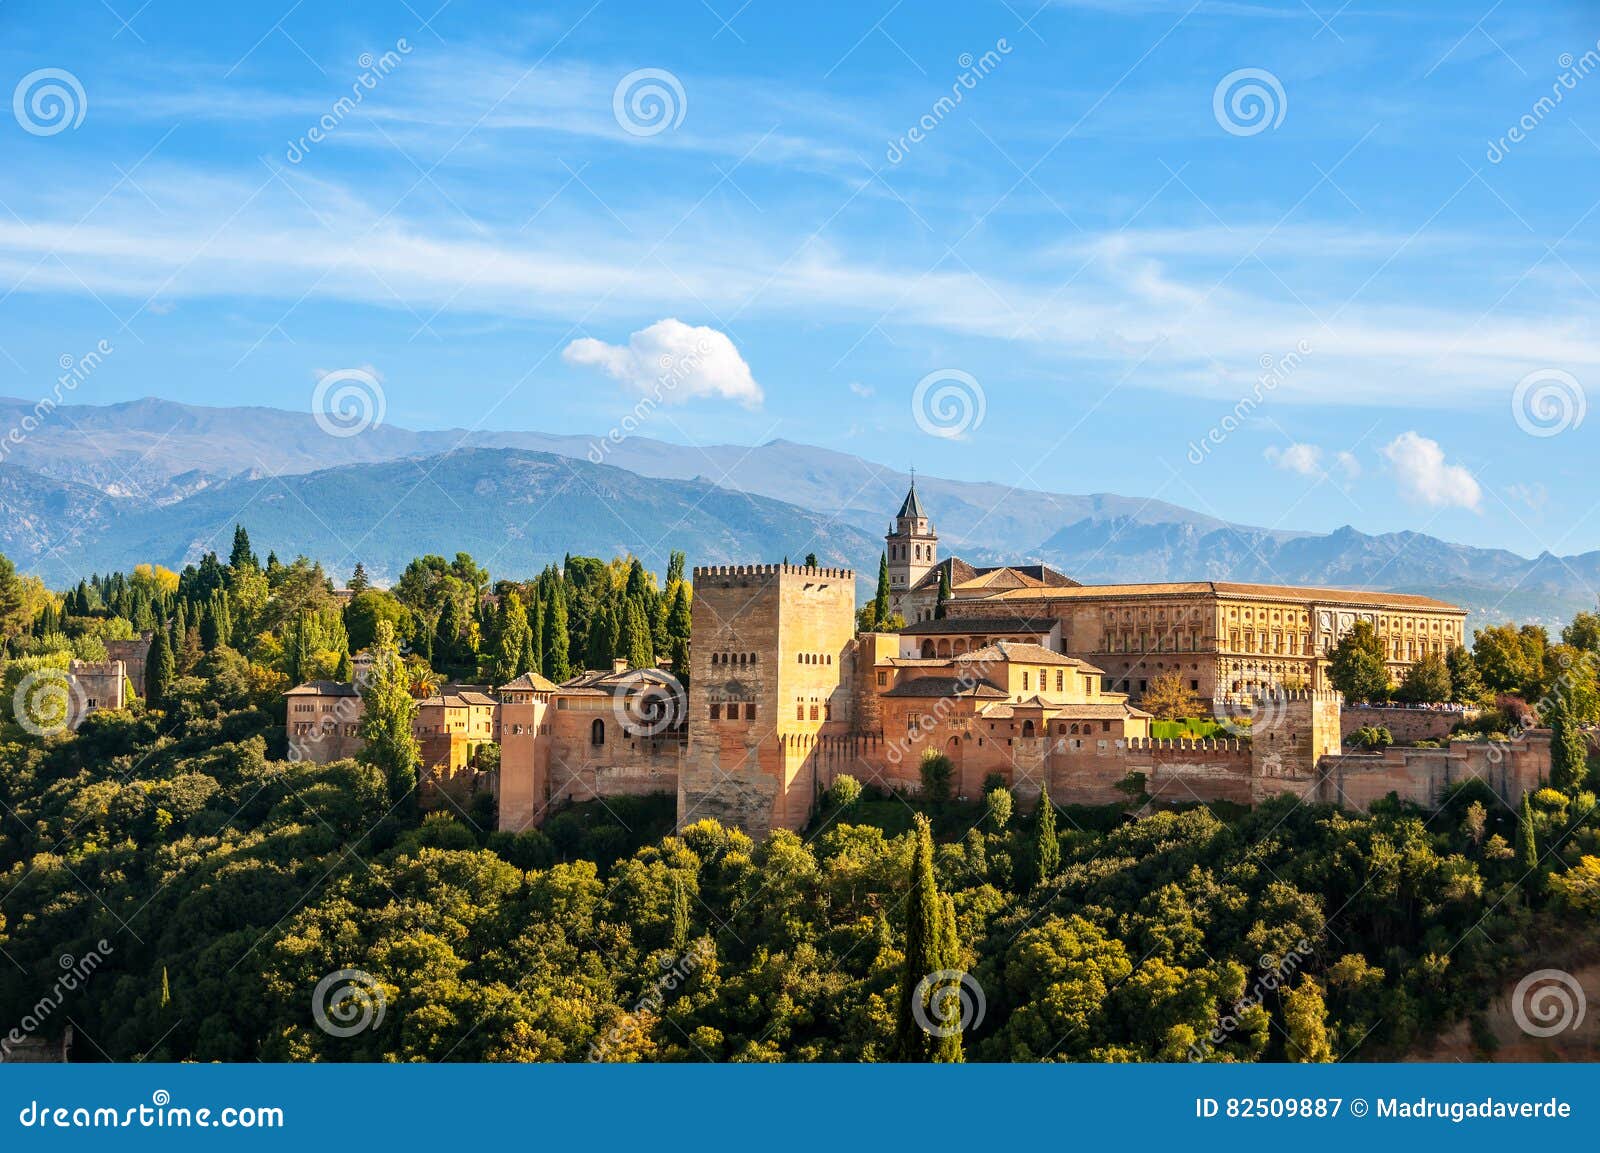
(1020, 652)
(983, 625)
(530, 682)
(947, 687)
(912, 507)
(324, 689)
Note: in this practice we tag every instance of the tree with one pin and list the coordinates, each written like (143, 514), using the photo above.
(1427, 681)
(678, 630)
(241, 557)
(512, 624)
(929, 956)
(1527, 839)
(999, 800)
(557, 662)
(1305, 1019)
(1509, 659)
(680, 913)
(1046, 848)
(811, 560)
(159, 669)
(1569, 747)
(641, 646)
(1169, 697)
(937, 770)
(880, 602)
(942, 606)
(1466, 686)
(358, 582)
(385, 730)
(13, 619)
(1358, 668)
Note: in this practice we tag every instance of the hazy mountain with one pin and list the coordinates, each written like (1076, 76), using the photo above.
(97, 487)
(514, 511)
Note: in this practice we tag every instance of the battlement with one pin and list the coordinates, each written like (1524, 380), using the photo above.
(765, 570)
(95, 668)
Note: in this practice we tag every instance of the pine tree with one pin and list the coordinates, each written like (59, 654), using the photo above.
(929, 942)
(158, 670)
(557, 661)
(345, 671)
(1046, 848)
(388, 710)
(241, 557)
(880, 603)
(358, 582)
(209, 635)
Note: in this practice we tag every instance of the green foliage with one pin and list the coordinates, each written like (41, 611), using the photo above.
(386, 718)
(937, 772)
(999, 802)
(1426, 681)
(1358, 668)
(844, 792)
(1046, 846)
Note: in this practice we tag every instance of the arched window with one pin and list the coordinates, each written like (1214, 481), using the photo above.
(927, 650)
(1027, 729)
(597, 732)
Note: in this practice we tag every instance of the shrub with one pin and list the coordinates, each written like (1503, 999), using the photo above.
(844, 792)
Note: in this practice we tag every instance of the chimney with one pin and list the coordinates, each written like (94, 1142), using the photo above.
(619, 665)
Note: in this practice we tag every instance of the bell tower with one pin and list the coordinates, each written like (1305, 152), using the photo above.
(913, 549)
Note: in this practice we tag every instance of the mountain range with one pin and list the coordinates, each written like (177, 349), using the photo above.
(95, 488)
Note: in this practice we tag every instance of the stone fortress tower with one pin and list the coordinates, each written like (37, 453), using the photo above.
(771, 680)
(913, 549)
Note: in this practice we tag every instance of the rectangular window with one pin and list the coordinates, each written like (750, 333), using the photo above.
(883, 679)
(1059, 680)
(813, 712)
(799, 712)
(750, 712)
(716, 712)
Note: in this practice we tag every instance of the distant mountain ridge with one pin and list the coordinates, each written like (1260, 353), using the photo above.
(99, 487)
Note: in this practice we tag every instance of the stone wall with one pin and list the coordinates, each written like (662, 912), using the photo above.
(1408, 725)
(1510, 768)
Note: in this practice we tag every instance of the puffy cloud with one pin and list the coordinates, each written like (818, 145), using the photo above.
(1305, 459)
(1348, 464)
(672, 361)
(1420, 468)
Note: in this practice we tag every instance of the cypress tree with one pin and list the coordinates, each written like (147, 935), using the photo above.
(159, 669)
(880, 604)
(641, 644)
(1527, 839)
(1046, 848)
(387, 713)
(602, 644)
(680, 914)
(942, 607)
(535, 654)
(929, 937)
(557, 661)
(1569, 750)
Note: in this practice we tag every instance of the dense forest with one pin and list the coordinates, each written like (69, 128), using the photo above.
(220, 886)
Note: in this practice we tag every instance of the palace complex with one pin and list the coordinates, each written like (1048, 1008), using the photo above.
(1026, 677)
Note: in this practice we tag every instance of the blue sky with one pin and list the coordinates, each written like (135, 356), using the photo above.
(1094, 241)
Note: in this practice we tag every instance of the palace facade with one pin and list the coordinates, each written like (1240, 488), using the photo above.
(1227, 640)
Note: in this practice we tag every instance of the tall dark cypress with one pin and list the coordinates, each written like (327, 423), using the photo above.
(880, 603)
(1046, 848)
(159, 669)
(930, 941)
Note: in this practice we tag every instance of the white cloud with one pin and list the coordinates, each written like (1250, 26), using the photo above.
(1348, 464)
(672, 361)
(1423, 475)
(1305, 459)
(862, 390)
